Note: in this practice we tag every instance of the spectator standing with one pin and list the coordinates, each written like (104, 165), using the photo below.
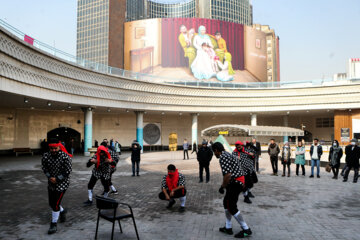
(204, 157)
(335, 155)
(286, 158)
(186, 148)
(72, 146)
(300, 158)
(273, 152)
(257, 147)
(315, 154)
(352, 152)
(135, 157)
(194, 148)
(118, 147)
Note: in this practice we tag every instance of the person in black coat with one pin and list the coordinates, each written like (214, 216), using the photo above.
(352, 152)
(204, 157)
(135, 157)
(335, 155)
(257, 147)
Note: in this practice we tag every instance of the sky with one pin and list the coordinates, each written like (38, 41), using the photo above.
(317, 37)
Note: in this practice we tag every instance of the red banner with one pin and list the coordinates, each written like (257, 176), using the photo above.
(29, 39)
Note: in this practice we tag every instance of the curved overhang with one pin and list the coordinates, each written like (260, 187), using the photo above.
(233, 130)
(30, 72)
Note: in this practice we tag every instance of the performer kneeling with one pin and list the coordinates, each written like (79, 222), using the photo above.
(233, 182)
(173, 186)
(101, 170)
(56, 165)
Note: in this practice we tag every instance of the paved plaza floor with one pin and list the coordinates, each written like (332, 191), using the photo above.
(283, 208)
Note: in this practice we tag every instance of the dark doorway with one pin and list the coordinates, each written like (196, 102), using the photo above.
(65, 135)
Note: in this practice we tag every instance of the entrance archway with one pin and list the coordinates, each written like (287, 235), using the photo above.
(65, 135)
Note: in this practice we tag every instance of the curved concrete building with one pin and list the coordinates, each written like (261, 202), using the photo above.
(40, 93)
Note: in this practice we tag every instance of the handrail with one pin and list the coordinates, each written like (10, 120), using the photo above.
(94, 66)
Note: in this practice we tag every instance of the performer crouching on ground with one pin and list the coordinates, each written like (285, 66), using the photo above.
(56, 165)
(233, 181)
(101, 170)
(173, 186)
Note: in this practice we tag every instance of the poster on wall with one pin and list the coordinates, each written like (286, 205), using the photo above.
(152, 134)
(345, 134)
(192, 49)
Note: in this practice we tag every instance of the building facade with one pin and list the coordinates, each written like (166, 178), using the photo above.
(182, 9)
(272, 52)
(41, 94)
(93, 31)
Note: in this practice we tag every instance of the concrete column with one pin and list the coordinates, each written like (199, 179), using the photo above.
(87, 131)
(194, 129)
(140, 128)
(286, 124)
(253, 119)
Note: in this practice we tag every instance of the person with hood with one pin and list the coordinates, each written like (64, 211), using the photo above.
(56, 165)
(315, 154)
(173, 186)
(102, 161)
(135, 157)
(227, 72)
(352, 152)
(204, 157)
(335, 155)
(300, 158)
(234, 173)
(246, 156)
(273, 152)
(286, 158)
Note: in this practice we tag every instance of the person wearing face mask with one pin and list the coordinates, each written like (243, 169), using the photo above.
(315, 154)
(56, 165)
(352, 152)
(335, 155)
(173, 186)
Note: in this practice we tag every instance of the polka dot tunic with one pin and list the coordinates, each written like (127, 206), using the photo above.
(59, 167)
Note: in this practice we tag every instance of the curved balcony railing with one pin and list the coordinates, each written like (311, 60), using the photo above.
(158, 79)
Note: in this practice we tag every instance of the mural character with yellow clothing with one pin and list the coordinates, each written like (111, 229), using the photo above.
(185, 39)
(227, 72)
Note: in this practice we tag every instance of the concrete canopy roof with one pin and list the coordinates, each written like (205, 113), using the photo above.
(247, 130)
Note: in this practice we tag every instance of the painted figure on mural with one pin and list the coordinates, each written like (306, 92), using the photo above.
(185, 40)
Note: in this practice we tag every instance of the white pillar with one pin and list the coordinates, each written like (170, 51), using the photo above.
(194, 129)
(253, 119)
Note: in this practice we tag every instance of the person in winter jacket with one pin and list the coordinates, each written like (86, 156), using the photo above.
(135, 157)
(286, 158)
(204, 157)
(315, 154)
(352, 152)
(274, 151)
(335, 155)
(300, 158)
